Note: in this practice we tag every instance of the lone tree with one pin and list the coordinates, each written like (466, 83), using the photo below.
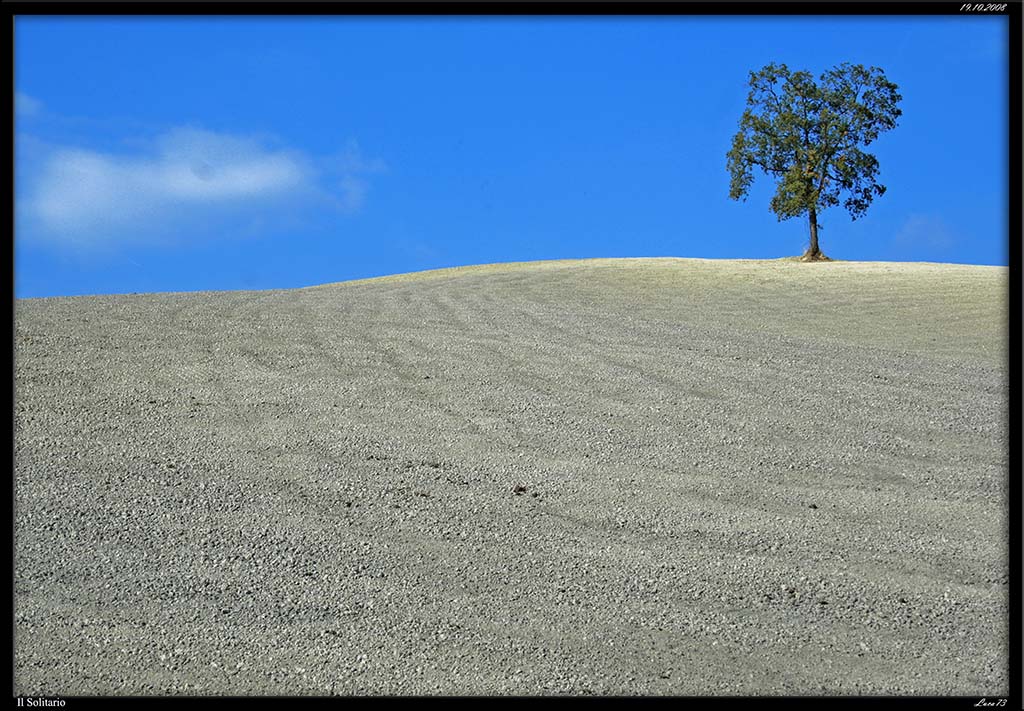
(808, 136)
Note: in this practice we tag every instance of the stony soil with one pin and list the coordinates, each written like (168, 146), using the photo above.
(649, 476)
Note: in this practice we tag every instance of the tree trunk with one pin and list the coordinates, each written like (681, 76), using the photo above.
(813, 253)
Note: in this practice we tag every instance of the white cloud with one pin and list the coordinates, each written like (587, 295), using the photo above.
(82, 191)
(182, 179)
(925, 231)
(353, 193)
(351, 166)
(351, 160)
(25, 105)
(923, 238)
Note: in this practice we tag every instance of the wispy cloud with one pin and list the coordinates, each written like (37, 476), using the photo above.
(79, 191)
(181, 179)
(353, 169)
(923, 238)
(353, 193)
(25, 105)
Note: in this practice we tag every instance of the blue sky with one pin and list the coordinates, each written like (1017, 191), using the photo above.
(180, 154)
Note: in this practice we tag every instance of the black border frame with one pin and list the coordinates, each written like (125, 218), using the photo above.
(609, 8)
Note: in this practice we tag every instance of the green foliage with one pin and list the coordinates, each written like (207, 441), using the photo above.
(808, 136)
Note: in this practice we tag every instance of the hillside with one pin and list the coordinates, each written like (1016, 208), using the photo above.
(616, 476)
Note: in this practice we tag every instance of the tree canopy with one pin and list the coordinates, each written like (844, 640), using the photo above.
(809, 136)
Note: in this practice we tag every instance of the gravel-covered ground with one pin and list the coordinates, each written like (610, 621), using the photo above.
(646, 476)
